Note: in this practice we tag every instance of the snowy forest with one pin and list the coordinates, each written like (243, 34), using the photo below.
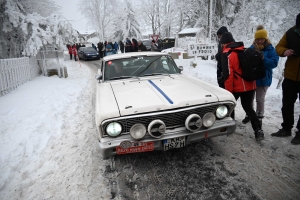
(27, 25)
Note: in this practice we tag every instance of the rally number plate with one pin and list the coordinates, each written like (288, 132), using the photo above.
(134, 147)
(174, 143)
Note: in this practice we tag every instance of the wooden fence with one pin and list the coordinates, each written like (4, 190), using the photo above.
(15, 72)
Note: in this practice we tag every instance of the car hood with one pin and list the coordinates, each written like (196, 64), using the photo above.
(163, 93)
(90, 52)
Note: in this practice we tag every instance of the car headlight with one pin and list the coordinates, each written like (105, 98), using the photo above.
(88, 54)
(114, 129)
(97, 53)
(138, 131)
(221, 111)
(208, 119)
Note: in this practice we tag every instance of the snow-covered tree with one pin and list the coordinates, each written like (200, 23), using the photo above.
(24, 34)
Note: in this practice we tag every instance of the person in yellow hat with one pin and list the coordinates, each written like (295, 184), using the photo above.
(262, 44)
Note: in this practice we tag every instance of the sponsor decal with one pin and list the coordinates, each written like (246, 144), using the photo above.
(134, 147)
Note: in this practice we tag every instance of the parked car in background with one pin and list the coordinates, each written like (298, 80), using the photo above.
(144, 103)
(88, 53)
(147, 43)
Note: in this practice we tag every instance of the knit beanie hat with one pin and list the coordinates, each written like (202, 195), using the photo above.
(261, 32)
(226, 38)
(222, 30)
(298, 21)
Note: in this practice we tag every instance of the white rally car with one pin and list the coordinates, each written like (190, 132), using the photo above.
(144, 103)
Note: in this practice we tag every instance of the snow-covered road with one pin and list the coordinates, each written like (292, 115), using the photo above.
(49, 150)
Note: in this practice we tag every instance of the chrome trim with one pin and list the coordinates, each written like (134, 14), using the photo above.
(228, 103)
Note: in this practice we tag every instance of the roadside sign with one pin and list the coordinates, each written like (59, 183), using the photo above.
(154, 37)
(202, 49)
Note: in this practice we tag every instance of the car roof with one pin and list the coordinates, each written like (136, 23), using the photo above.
(132, 54)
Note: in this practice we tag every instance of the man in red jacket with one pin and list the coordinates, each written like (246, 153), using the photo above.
(235, 84)
(70, 51)
(74, 52)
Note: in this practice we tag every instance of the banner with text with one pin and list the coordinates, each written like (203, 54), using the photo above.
(202, 49)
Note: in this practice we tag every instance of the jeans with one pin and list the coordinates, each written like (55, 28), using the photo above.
(290, 92)
(246, 100)
(260, 94)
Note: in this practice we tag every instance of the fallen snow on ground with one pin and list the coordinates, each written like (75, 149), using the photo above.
(49, 145)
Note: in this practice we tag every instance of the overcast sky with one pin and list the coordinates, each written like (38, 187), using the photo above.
(70, 11)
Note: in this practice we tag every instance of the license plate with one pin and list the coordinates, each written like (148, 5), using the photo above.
(134, 147)
(174, 143)
(94, 56)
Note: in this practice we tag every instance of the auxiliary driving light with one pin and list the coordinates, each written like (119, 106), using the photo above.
(138, 131)
(208, 119)
(157, 128)
(114, 129)
(193, 122)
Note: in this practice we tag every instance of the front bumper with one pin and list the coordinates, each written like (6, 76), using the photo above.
(225, 126)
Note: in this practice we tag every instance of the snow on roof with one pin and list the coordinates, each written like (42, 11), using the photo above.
(86, 32)
(190, 30)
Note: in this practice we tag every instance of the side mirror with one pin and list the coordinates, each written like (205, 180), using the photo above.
(180, 68)
(98, 77)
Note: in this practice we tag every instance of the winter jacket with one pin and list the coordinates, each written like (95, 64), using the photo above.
(270, 62)
(142, 47)
(74, 50)
(70, 50)
(290, 40)
(233, 82)
(116, 46)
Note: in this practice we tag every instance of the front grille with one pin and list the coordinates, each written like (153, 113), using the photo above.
(171, 119)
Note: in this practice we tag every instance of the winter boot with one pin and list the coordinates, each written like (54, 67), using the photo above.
(246, 120)
(296, 139)
(282, 133)
(260, 116)
(259, 135)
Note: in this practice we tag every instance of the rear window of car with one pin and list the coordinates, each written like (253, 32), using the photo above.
(147, 42)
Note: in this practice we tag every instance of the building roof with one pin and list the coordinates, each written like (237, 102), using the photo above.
(190, 30)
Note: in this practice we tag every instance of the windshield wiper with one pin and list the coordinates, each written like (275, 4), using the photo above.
(153, 74)
(123, 77)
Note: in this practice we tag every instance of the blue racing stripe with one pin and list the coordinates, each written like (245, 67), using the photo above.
(169, 100)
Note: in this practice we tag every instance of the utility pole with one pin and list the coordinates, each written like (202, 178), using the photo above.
(210, 20)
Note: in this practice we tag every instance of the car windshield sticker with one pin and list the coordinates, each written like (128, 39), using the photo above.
(170, 101)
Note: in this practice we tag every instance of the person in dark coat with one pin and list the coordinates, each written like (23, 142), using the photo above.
(220, 32)
(121, 46)
(289, 46)
(141, 46)
(134, 45)
(116, 47)
(128, 46)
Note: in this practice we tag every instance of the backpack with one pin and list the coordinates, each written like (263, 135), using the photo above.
(251, 63)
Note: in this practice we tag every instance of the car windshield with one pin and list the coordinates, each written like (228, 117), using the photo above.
(147, 42)
(135, 67)
(88, 49)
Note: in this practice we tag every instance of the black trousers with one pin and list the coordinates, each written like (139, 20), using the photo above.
(246, 100)
(219, 78)
(290, 92)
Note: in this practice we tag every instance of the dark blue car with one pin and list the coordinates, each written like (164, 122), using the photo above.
(88, 53)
